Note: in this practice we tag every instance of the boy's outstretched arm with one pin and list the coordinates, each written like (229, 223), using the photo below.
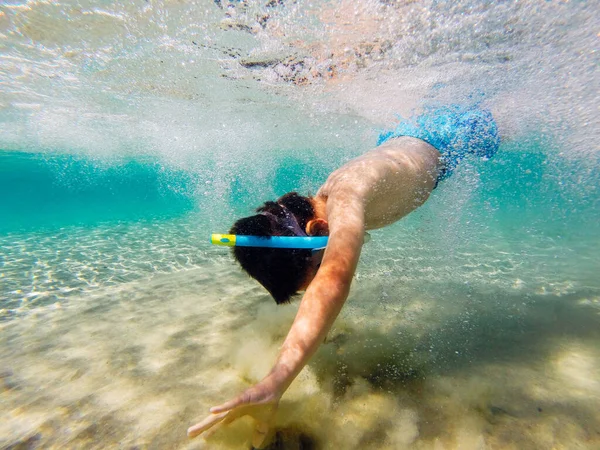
(318, 309)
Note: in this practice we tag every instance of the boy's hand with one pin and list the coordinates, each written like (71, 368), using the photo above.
(259, 402)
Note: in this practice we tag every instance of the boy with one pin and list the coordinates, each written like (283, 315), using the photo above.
(369, 192)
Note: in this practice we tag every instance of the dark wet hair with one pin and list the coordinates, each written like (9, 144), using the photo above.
(280, 271)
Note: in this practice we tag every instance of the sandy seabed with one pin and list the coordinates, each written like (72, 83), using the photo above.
(134, 366)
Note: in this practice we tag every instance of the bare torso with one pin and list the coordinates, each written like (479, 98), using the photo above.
(391, 181)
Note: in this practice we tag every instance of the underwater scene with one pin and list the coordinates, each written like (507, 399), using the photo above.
(132, 130)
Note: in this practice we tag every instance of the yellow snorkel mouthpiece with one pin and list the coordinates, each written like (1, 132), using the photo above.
(226, 240)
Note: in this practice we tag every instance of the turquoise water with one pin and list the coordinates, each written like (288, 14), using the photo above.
(73, 223)
(130, 131)
(55, 191)
(493, 281)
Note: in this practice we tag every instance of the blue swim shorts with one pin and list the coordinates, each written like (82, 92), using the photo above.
(455, 131)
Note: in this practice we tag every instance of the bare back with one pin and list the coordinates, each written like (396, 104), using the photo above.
(390, 181)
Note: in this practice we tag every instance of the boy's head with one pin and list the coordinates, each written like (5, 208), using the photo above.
(283, 272)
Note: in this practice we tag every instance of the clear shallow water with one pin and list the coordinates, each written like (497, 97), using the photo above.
(73, 225)
(131, 131)
(54, 191)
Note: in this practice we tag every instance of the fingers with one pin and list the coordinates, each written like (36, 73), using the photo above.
(240, 400)
(261, 433)
(207, 423)
(263, 430)
(229, 417)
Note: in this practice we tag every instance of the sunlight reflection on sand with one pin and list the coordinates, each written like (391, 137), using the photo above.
(136, 365)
